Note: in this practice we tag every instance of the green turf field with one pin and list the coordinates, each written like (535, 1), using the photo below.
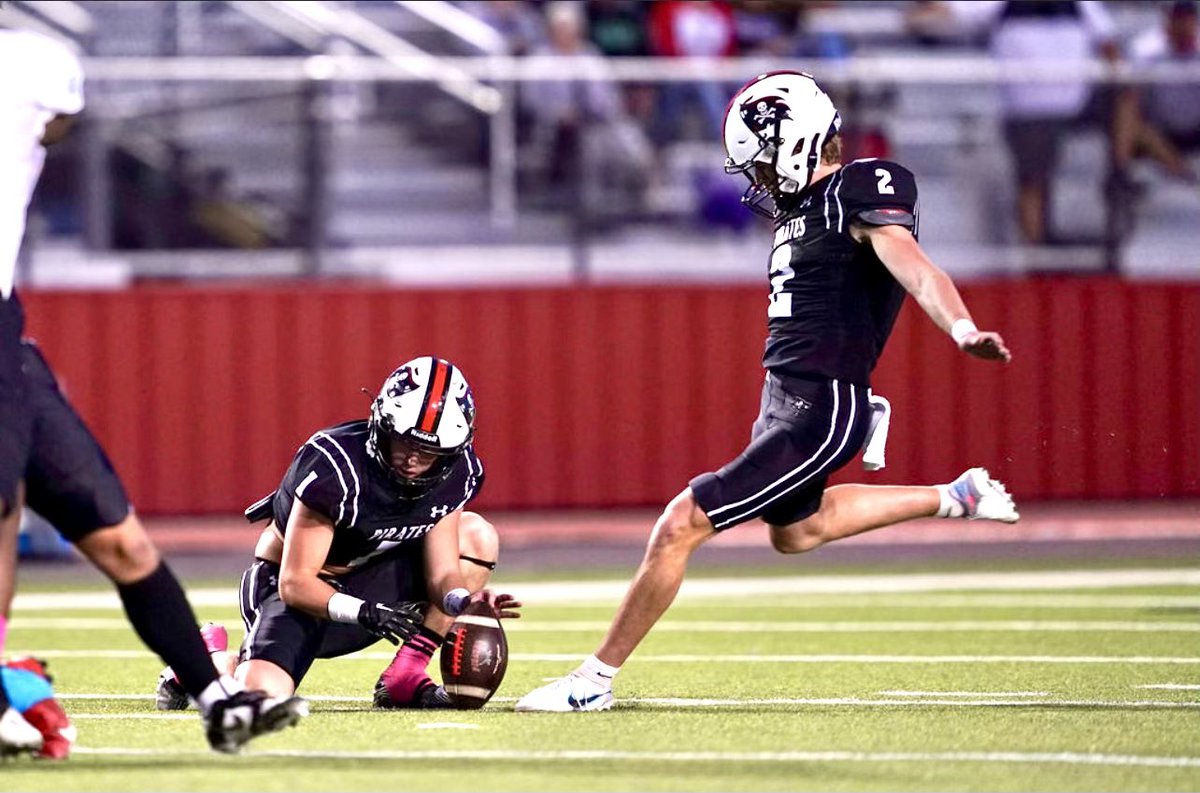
(1004, 683)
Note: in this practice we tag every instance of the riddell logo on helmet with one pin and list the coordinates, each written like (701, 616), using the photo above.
(421, 435)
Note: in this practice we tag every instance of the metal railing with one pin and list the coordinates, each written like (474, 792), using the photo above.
(489, 83)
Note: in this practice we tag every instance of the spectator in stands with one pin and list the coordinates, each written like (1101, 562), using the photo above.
(226, 219)
(698, 28)
(1037, 115)
(1162, 120)
(519, 23)
(766, 27)
(618, 27)
(581, 125)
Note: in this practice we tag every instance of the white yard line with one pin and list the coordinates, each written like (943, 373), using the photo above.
(911, 626)
(957, 600)
(1172, 686)
(139, 716)
(555, 592)
(131, 697)
(48, 654)
(1024, 601)
(685, 702)
(711, 626)
(151, 697)
(738, 659)
(69, 624)
(875, 659)
(965, 693)
(516, 755)
(717, 702)
(847, 584)
(979, 600)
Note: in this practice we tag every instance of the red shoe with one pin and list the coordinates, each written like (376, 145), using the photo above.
(58, 734)
(31, 664)
(47, 716)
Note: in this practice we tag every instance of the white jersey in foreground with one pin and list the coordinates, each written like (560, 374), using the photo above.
(39, 79)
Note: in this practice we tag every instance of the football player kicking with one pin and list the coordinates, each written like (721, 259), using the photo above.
(367, 529)
(845, 252)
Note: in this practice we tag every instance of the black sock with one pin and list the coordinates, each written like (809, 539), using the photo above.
(425, 641)
(163, 618)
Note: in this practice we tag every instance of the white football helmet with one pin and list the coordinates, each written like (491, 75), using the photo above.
(775, 126)
(427, 404)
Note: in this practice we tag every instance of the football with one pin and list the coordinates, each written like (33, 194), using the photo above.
(474, 657)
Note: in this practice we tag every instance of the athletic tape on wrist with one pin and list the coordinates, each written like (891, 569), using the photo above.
(343, 608)
(455, 601)
(961, 329)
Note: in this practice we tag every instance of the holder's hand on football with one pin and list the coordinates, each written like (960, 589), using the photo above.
(504, 604)
(396, 622)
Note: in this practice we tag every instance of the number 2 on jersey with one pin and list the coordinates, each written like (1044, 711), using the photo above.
(781, 273)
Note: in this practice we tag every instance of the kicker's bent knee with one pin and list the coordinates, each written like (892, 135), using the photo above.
(681, 524)
(800, 537)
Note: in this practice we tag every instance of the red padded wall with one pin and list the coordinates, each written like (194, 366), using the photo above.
(617, 395)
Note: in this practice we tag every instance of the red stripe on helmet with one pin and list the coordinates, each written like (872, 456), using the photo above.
(437, 394)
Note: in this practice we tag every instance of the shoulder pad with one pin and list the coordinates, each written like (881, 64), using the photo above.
(879, 192)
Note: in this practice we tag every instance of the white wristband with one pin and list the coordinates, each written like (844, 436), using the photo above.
(455, 601)
(343, 608)
(961, 329)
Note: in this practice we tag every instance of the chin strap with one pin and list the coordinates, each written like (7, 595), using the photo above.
(814, 159)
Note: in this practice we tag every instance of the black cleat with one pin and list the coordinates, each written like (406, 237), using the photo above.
(169, 695)
(429, 696)
(233, 722)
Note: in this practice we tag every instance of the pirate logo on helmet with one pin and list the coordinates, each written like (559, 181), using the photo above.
(758, 114)
(401, 382)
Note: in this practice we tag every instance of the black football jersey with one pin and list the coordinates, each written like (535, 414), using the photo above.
(333, 474)
(833, 303)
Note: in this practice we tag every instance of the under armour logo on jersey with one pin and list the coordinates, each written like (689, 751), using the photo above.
(439, 512)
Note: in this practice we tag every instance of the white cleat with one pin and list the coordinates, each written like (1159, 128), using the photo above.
(17, 736)
(982, 497)
(571, 693)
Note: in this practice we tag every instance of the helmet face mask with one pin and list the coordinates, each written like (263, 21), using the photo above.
(420, 423)
(775, 128)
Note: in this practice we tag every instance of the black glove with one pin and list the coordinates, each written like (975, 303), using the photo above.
(396, 622)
